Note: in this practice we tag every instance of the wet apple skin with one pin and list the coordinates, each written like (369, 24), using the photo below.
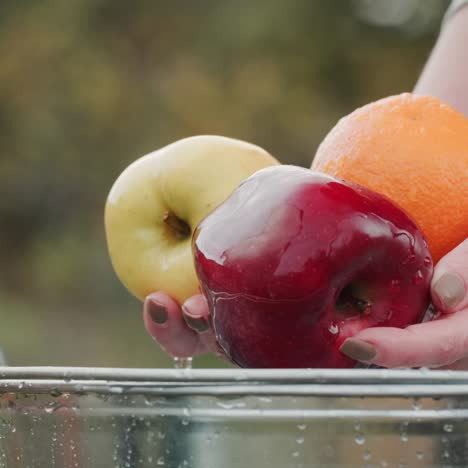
(295, 261)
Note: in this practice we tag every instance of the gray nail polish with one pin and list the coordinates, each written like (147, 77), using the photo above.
(358, 350)
(450, 289)
(157, 312)
(199, 325)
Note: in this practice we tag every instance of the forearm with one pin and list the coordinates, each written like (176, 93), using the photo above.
(445, 74)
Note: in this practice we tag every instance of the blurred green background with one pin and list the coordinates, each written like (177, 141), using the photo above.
(88, 86)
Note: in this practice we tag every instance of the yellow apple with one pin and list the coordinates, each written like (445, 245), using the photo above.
(156, 203)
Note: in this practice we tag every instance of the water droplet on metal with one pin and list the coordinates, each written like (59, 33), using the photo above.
(419, 455)
(239, 404)
(262, 399)
(360, 439)
(404, 437)
(52, 406)
(300, 440)
(367, 455)
(448, 427)
(416, 404)
(115, 389)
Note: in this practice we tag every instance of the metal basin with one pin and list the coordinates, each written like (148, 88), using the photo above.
(80, 417)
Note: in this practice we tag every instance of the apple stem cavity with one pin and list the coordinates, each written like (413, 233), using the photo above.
(350, 304)
(362, 306)
(179, 226)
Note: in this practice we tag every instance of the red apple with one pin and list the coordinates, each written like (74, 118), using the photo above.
(296, 261)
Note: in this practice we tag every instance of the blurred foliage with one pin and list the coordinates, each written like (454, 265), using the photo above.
(88, 86)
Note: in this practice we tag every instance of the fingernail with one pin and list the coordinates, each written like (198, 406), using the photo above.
(358, 350)
(157, 312)
(199, 325)
(450, 290)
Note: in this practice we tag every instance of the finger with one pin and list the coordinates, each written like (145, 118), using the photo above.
(438, 343)
(461, 364)
(163, 321)
(449, 284)
(196, 314)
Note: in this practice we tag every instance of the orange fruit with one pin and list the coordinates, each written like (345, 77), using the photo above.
(414, 150)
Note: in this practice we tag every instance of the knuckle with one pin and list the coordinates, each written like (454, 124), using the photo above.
(451, 349)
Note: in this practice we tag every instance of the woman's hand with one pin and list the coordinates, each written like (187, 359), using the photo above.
(441, 343)
(180, 331)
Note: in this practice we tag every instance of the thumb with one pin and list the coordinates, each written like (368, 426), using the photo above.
(430, 344)
(450, 280)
